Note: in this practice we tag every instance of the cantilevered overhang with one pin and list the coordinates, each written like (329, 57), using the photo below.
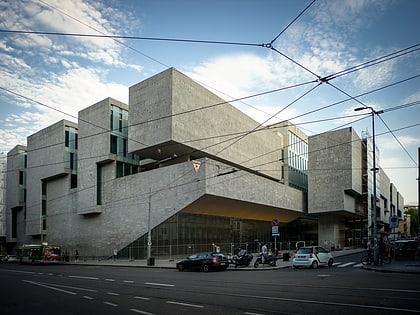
(225, 207)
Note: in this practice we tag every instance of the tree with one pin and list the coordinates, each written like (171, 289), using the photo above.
(413, 212)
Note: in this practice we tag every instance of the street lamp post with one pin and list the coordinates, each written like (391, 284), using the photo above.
(375, 232)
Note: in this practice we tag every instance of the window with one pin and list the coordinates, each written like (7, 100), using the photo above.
(98, 184)
(67, 138)
(73, 181)
(114, 144)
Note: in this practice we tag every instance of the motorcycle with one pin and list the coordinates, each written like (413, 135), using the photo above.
(242, 260)
(269, 259)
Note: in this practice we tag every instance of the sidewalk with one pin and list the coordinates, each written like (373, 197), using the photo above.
(405, 265)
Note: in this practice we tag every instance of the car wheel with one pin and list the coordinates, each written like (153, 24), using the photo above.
(206, 268)
(181, 267)
(296, 267)
(330, 262)
(256, 264)
(314, 264)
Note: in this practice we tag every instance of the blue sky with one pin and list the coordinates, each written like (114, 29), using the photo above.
(72, 73)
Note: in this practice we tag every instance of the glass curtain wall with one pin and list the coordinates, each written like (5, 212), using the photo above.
(127, 164)
(185, 233)
(298, 162)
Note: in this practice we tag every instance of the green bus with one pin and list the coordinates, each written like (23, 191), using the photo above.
(39, 254)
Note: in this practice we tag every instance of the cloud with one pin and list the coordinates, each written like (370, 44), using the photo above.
(389, 143)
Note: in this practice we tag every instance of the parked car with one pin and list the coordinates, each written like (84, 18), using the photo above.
(312, 256)
(405, 248)
(204, 261)
(9, 258)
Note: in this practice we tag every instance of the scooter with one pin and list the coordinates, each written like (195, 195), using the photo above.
(242, 260)
(269, 259)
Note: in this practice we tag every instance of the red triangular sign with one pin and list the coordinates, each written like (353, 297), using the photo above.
(196, 165)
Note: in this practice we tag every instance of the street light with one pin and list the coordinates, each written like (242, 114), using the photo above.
(375, 232)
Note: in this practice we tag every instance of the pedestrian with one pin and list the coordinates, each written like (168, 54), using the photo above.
(264, 252)
(76, 256)
(382, 249)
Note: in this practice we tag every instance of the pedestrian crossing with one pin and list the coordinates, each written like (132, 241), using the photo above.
(348, 264)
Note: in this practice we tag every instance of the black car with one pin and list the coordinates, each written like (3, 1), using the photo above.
(204, 261)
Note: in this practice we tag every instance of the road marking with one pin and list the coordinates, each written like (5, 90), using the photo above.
(82, 277)
(87, 297)
(185, 304)
(111, 304)
(323, 275)
(142, 298)
(112, 280)
(18, 271)
(140, 312)
(347, 264)
(375, 307)
(160, 284)
(249, 313)
(49, 287)
(358, 265)
(112, 293)
(128, 281)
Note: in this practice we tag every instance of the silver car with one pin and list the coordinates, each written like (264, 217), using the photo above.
(312, 256)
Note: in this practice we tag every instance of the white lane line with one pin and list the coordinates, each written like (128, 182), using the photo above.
(87, 297)
(18, 271)
(66, 286)
(140, 312)
(111, 280)
(160, 284)
(49, 287)
(346, 265)
(111, 304)
(358, 265)
(128, 281)
(112, 293)
(142, 298)
(249, 313)
(82, 277)
(185, 304)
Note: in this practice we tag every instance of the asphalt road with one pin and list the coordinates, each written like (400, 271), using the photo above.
(73, 289)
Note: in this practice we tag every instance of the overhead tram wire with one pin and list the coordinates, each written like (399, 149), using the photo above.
(99, 31)
(328, 78)
(293, 21)
(218, 42)
(375, 61)
(398, 141)
(162, 39)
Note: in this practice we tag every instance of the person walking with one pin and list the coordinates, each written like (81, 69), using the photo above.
(264, 253)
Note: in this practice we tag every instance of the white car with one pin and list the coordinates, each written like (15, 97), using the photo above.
(312, 256)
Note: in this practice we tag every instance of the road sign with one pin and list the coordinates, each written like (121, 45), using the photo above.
(275, 222)
(275, 230)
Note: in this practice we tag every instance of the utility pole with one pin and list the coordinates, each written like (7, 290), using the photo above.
(418, 194)
(375, 170)
(149, 232)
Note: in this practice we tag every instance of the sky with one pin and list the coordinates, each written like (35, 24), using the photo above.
(312, 62)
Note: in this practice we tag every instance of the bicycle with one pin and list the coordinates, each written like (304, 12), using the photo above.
(368, 260)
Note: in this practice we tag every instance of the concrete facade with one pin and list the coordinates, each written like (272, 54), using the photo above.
(178, 149)
(340, 193)
(172, 121)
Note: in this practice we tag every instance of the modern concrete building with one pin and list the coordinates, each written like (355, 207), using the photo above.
(340, 189)
(180, 170)
(182, 162)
